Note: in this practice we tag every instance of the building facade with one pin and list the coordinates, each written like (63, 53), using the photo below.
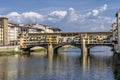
(115, 31)
(9, 32)
(40, 28)
(3, 31)
(13, 33)
(1, 35)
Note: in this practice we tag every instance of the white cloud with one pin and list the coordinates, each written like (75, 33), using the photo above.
(60, 14)
(72, 15)
(32, 15)
(95, 12)
(91, 15)
(14, 17)
(25, 17)
(71, 11)
(89, 21)
(56, 15)
(103, 8)
(15, 14)
(69, 19)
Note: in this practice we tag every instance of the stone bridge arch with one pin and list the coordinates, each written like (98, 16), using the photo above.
(56, 47)
(32, 46)
(37, 48)
(98, 45)
(69, 40)
(45, 47)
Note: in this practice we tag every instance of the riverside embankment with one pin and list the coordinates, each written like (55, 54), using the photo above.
(9, 50)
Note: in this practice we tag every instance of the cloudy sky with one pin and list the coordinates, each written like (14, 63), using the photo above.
(68, 15)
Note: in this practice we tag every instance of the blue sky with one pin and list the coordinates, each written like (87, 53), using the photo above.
(68, 15)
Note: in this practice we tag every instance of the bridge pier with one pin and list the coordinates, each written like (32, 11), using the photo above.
(26, 52)
(88, 51)
(55, 51)
(84, 49)
(50, 49)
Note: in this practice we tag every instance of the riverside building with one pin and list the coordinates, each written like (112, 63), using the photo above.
(9, 32)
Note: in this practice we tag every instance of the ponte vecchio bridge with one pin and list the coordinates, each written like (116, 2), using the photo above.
(53, 41)
(83, 40)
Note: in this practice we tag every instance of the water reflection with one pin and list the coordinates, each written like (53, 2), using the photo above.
(67, 65)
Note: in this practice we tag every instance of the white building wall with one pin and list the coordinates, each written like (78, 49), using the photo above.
(12, 34)
(44, 28)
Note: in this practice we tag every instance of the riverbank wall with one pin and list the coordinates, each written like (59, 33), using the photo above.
(9, 48)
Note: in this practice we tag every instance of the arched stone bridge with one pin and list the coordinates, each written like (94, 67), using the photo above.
(53, 41)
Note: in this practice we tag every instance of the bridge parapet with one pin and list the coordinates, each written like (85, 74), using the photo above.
(68, 37)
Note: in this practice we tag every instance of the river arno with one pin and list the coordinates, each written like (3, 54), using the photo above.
(67, 65)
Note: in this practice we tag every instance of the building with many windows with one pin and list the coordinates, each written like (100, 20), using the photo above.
(13, 33)
(115, 31)
(40, 28)
(9, 32)
(3, 31)
(1, 35)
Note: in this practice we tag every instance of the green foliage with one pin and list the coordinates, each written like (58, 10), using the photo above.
(62, 48)
(117, 69)
(38, 50)
(8, 53)
(117, 76)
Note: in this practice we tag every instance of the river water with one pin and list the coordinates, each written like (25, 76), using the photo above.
(67, 65)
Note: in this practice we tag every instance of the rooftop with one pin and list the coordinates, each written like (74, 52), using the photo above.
(1, 17)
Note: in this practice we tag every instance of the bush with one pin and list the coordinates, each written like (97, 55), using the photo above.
(117, 77)
(8, 53)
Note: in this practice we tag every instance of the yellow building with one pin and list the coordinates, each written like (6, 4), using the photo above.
(9, 32)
